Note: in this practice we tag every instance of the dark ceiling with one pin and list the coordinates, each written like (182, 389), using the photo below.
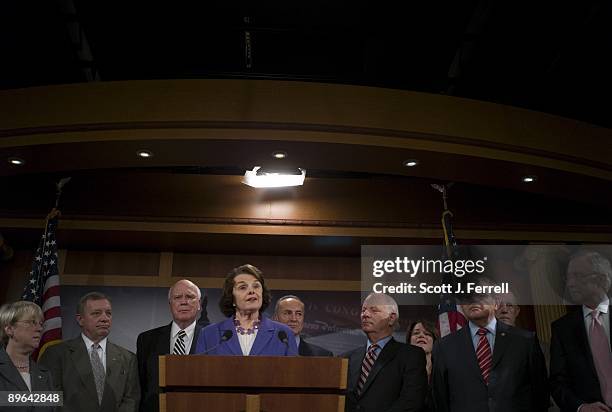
(544, 55)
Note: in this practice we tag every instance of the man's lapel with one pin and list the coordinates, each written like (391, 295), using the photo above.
(386, 355)
(80, 358)
(501, 342)
(194, 341)
(355, 362)
(468, 348)
(162, 344)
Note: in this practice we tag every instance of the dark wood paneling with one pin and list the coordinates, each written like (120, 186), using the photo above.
(274, 267)
(112, 263)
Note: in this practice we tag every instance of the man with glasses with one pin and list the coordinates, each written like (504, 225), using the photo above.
(487, 365)
(580, 357)
(508, 310)
(94, 373)
(178, 338)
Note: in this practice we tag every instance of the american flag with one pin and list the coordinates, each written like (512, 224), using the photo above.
(43, 286)
(450, 317)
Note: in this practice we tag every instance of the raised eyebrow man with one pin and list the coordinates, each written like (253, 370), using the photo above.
(94, 373)
(384, 375)
(178, 337)
(289, 310)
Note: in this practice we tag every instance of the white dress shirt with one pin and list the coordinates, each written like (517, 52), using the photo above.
(189, 331)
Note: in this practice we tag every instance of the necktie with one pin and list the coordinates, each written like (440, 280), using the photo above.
(179, 345)
(98, 370)
(366, 366)
(483, 354)
(600, 348)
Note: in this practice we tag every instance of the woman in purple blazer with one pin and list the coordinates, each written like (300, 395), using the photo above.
(246, 332)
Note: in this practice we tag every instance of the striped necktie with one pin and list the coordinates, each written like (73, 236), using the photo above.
(179, 344)
(97, 367)
(483, 354)
(366, 366)
(600, 349)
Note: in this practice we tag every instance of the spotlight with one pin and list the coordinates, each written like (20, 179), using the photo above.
(145, 154)
(279, 154)
(16, 161)
(529, 179)
(411, 163)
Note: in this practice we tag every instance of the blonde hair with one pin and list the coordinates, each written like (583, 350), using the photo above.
(11, 313)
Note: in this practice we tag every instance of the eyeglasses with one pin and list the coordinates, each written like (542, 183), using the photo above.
(32, 322)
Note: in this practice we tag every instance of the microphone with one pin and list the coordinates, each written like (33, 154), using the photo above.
(227, 335)
(282, 336)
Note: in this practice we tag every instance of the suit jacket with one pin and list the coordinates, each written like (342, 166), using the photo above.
(266, 343)
(149, 346)
(517, 381)
(308, 349)
(11, 380)
(573, 378)
(397, 381)
(71, 370)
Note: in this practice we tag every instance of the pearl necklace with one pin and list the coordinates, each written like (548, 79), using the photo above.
(248, 331)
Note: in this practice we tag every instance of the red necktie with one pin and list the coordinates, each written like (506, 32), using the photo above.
(366, 366)
(600, 348)
(483, 354)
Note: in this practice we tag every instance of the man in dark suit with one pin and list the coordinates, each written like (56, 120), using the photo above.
(385, 375)
(178, 337)
(93, 373)
(580, 355)
(290, 311)
(488, 366)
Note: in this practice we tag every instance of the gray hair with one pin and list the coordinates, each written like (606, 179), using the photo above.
(198, 291)
(387, 302)
(277, 306)
(598, 262)
(11, 313)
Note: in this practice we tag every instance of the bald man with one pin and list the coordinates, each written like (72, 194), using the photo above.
(290, 311)
(179, 337)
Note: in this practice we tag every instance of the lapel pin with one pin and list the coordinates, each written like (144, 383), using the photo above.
(503, 333)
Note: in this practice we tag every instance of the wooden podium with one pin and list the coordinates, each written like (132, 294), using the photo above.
(251, 383)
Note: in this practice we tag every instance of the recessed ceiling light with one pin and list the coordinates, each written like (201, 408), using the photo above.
(16, 161)
(411, 163)
(279, 154)
(529, 179)
(144, 153)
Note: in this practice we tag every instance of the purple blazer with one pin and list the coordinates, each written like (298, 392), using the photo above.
(267, 342)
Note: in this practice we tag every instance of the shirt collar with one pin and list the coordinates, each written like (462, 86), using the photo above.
(602, 308)
(176, 329)
(491, 327)
(381, 343)
(89, 342)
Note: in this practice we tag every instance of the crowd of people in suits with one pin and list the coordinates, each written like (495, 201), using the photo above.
(488, 365)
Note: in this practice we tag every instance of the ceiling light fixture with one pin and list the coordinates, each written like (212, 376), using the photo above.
(529, 179)
(259, 177)
(16, 161)
(279, 154)
(411, 163)
(145, 154)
